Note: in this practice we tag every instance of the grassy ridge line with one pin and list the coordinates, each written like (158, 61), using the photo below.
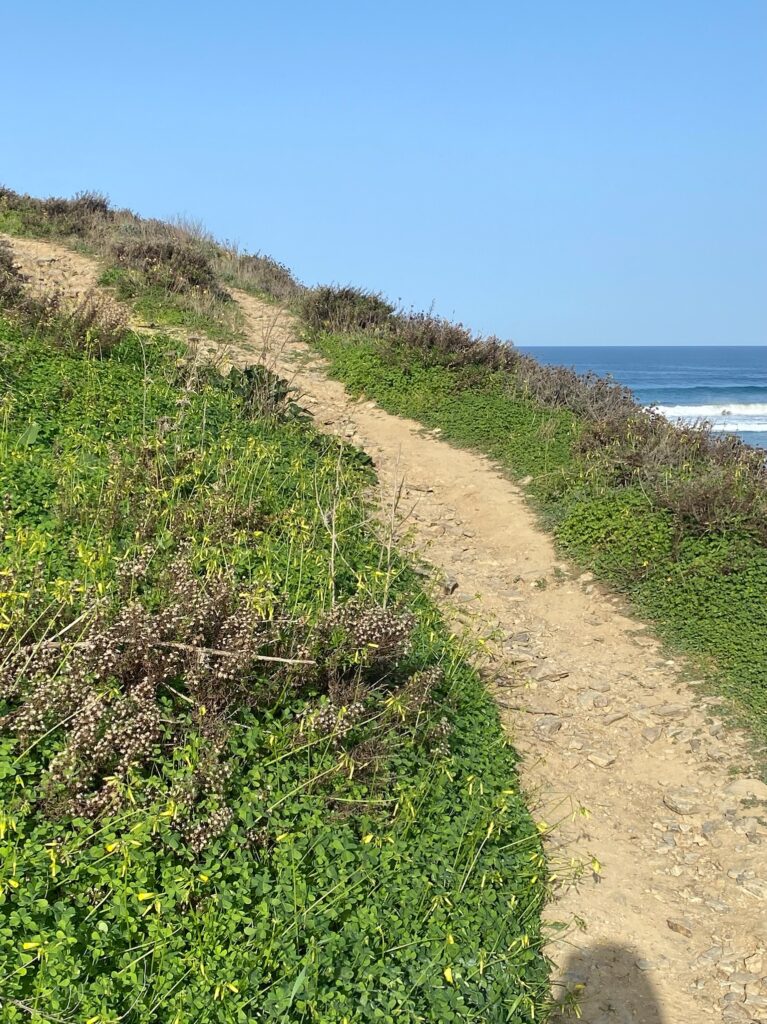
(175, 275)
(260, 859)
(675, 517)
(703, 587)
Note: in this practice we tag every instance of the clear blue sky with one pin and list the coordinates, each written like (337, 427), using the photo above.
(554, 172)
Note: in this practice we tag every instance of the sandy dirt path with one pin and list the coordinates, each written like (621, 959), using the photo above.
(650, 794)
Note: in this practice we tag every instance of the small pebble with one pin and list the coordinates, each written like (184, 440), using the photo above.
(680, 925)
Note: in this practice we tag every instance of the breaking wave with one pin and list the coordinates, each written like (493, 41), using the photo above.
(742, 417)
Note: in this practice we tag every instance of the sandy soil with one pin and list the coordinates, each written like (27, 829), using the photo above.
(658, 828)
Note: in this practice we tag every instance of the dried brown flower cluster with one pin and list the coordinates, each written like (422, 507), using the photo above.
(418, 691)
(197, 826)
(120, 691)
(363, 721)
(370, 636)
(105, 690)
(330, 719)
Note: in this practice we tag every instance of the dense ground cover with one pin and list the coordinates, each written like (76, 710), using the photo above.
(191, 832)
(244, 773)
(173, 274)
(673, 518)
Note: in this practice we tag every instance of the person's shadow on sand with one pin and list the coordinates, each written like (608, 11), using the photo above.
(610, 988)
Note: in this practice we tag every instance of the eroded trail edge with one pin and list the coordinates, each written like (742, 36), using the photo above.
(630, 764)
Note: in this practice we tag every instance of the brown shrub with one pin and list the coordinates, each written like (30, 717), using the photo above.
(130, 685)
(358, 637)
(707, 480)
(260, 274)
(716, 498)
(103, 692)
(11, 279)
(586, 395)
(95, 324)
(648, 441)
(175, 266)
(345, 309)
(56, 216)
(443, 342)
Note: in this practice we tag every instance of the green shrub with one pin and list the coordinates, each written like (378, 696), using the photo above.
(264, 393)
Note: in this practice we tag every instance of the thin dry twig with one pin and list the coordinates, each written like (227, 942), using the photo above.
(232, 654)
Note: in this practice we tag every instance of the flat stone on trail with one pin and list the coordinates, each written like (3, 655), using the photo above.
(745, 788)
(521, 658)
(682, 801)
(653, 733)
(587, 698)
(755, 964)
(646, 965)
(670, 710)
(712, 955)
(549, 725)
(544, 675)
(602, 760)
(737, 1014)
(719, 906)
(755, 887)
(680, 925)
(616, 716)
(643, 715)
(743, 978)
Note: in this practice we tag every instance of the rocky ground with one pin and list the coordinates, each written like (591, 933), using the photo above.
(656, 824)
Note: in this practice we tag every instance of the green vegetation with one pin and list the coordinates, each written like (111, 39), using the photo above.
(174, 275)
(192, 311)
(675, 518)
(245, 774)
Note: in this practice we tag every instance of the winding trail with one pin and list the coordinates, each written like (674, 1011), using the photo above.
(671, 896)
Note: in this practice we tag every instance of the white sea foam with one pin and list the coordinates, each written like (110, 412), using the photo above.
(742, 417)
(739, 426)
(731, 411)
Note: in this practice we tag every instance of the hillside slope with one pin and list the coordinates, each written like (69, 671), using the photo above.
(245, 773)
(673, 895)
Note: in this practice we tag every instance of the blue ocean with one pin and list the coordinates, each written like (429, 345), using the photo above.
(725, 385)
